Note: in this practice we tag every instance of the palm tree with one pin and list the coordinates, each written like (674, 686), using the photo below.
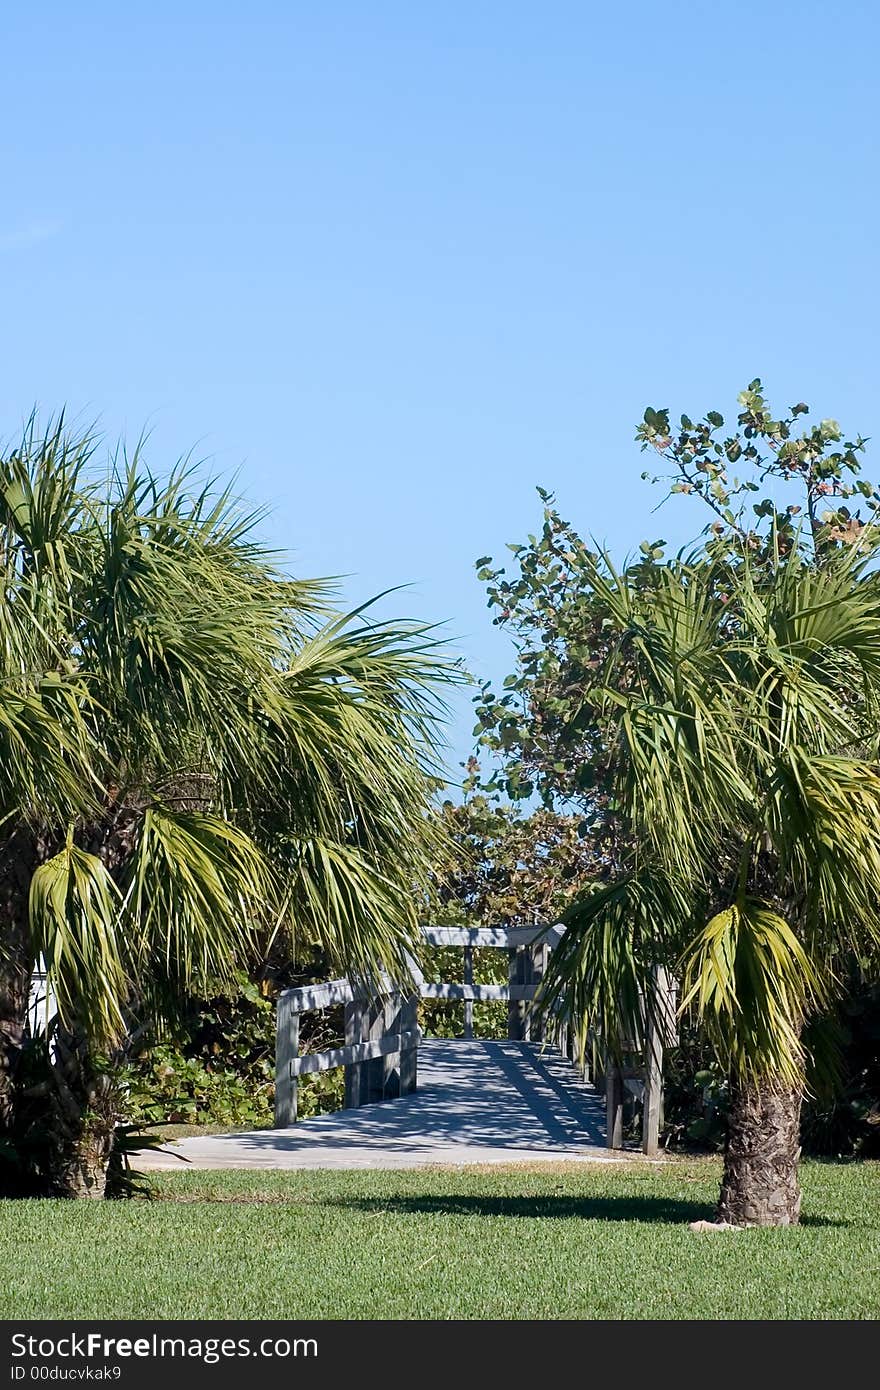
(738, 703)
(196, 753)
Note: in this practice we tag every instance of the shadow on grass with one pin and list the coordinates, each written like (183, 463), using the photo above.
(669, 1211)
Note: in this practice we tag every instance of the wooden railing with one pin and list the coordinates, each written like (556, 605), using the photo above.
(380, 1055)
(527, 949)
(382, 1035)
(381, 1043)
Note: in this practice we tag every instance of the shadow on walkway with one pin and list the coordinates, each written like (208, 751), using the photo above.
(476, 1102)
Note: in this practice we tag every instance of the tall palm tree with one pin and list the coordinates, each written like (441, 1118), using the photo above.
(739, 705)
(196, 752)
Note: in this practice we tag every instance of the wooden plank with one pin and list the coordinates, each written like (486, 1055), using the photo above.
(507, 938)
(667, 1011)
(318, 996)
(652, 1095)
(409, 1056)
(342, 991)
(482, 994)
(660, 1029)
(385, 1070)
(529, 936)
(539, 953)
(414, 969)
(465, 936)
(286, 1048)
(519, 974)
(589, 1065)
(354, 1053)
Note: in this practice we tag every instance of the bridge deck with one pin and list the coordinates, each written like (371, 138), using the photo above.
(477, 1102)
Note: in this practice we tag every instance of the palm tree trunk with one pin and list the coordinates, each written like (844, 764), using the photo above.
(84, 1113)
(760, 1183)
(84, 1106)
(19, 857)
(80, 1160)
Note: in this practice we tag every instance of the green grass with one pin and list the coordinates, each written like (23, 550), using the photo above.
(567, 1242)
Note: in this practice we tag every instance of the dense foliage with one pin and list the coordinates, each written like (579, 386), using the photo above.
(714, 717)
(198, 755)
(501, 868)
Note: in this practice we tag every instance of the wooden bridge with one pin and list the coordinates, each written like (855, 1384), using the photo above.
(411, 1101)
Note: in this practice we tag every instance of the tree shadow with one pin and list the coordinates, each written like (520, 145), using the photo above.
(670, 1211)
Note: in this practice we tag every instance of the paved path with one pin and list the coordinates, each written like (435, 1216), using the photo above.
(477, 1102)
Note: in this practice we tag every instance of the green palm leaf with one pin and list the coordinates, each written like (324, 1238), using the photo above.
(752, 984)
(199, 889)
(601, 976)
(74, 915)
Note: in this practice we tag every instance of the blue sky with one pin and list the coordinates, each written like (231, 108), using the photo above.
(399, 263)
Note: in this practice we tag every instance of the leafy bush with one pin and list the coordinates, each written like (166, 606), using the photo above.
(694, 1096)
(844, 1120)
(218, 1066)
(443, 1018)
(840, 1116)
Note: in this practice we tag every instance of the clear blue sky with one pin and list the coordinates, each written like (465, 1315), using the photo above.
(398, 263)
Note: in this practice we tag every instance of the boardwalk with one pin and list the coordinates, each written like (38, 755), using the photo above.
(477, 1102)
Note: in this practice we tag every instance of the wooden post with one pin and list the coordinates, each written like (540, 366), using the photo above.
(378, 1078)
(286, 1048)
(469, 1003)
(409, 1021)
(519, 973)
(393, 1074)
(389, 1011)
(613, 1104)
(537, 955)
(355, 1072)
(653, 1096)
(659, 1030)
(374, 1070)
(586, 1060)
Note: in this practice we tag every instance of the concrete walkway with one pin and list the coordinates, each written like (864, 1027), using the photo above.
(477, 1102)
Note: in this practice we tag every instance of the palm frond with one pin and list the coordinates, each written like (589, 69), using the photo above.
(73, 909)
(824, 823)
(751, 983)
(199, 890)
(600, 976)
(47, 757)
(338, 897)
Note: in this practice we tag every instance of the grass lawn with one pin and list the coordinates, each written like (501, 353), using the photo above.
(561, 1242)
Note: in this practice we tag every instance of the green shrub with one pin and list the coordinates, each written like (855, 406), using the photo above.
(442, 1018)
(217, 1065)
(841, 1112)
